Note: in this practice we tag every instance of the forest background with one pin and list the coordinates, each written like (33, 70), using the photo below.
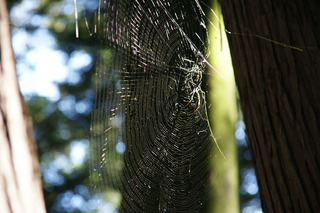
(56, 74)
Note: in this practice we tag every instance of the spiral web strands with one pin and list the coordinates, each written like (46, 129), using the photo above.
(150, 137)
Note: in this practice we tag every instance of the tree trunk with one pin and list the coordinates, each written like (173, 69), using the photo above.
(20, 183)
(275, 52)
(222, 111)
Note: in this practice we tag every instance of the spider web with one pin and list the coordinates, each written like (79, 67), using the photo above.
(150, 136)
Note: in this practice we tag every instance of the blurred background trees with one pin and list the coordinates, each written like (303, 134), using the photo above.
(56, 73)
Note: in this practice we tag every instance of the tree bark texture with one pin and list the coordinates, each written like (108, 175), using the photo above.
(275, 52)
(20, 183)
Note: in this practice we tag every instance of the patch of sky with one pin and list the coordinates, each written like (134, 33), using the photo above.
(40, 65)
(81, 190)
(66, 202)
(51, 166)
(67, 106)
(41, 69)
(120, 147)
(240, 133)
(62, 162)
(39, 21)
(19, 41)
(49, 108)
(78, 61)
(91, 5)
(84, 106)
(97, 203)
(250, 185)
(70, 107)
(71, 201)
(107, 208)
(53, 177)
(68, 7)
(22, 13)
(78, 150)
(253, 206)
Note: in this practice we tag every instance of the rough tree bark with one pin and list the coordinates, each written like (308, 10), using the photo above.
(20, 183)
(275, 51)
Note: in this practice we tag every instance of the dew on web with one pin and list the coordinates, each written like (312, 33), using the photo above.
(76, 18)
(150, 136)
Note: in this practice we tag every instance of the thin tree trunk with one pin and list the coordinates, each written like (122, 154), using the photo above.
(275, 51)
(20, 183)
(222, 109)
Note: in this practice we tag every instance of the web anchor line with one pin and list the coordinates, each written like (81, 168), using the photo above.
(244, 34)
